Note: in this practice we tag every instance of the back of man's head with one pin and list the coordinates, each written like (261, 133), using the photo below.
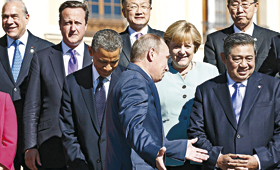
(74, 4)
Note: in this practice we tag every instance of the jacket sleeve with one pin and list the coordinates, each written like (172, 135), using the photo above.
(9, 135)
(209, 52)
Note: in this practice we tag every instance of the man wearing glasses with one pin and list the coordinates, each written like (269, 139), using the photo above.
(242, 12)
(137, 13)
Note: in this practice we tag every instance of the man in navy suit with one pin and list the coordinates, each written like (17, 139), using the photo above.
(135, 137)
(82, 123)
(242, 12)
(15, 17)
(42, 135)
(137, 14)
(238, 112)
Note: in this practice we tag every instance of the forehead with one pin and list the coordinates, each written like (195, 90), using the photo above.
(69, 13)
(247, 49)
(241, 0)
(108, 55)
(137, 1)
(12, 8)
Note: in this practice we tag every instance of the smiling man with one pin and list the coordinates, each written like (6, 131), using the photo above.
(17, 48)
(137, 14)
(236, 116)
(242, 12)
(42, 135)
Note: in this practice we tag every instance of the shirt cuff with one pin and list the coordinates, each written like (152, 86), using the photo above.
(258, 160)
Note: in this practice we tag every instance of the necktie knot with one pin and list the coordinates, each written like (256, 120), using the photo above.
(237, 100)
(100, 83)
(73, 62)
(16, 42)
(138, 35)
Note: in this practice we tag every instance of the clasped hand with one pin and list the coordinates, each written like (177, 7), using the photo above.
(237, 161)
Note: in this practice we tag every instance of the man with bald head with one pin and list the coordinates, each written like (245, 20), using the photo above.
(17, 47)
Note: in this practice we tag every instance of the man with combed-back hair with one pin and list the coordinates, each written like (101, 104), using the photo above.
(49, 67)
(82, 121)
(17, 48)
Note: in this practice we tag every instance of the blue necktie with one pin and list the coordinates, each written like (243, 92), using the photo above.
(17, 60)
(237, 100)
(138, 35)
(73, 62)
(100, 99)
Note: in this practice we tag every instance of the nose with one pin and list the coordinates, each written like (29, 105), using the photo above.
(73, 27)
(239, 8)
(10, 20)
(166, 68)
(108, 67)
(139, 10)
(243, 63)
(182, 49)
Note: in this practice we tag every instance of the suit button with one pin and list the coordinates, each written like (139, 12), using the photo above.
(98, 161)
(102, 140)
(184, 96)
(238, 136)
(184, 86)
(15, 89)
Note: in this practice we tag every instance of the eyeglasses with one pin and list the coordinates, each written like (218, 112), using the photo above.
(134, 7)
(244, 5)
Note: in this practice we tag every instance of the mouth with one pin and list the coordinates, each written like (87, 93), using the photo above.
(11, 28)
(242, 72)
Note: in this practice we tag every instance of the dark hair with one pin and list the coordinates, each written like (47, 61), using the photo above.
(238, 39)
(228, 1)
(24, 9)
(74, 4)
(124, 1)
(107, 39)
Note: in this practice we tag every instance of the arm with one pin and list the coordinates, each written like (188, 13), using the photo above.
(75, 159)
(9, 137)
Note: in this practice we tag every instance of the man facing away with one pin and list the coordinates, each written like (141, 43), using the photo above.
(137, 14)
(236, 116)
(85, 92)
(135, 137)
(42, 135)
(242, 12)
(17, 47)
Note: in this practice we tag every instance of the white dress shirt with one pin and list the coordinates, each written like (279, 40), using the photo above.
(95, 79)
(249, 31)
(22, 46)
(133, 33)
(67, 55)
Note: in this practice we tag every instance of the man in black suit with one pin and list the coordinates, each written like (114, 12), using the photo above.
(137, 14)
(242, 13)
(15, 17)
(42, 135)
(82, 123)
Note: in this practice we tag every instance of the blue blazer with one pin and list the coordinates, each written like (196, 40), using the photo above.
(134, 124)
(213, 121)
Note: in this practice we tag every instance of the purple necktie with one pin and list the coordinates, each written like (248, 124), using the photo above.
(138, 35)
(100, 99)
(73, 62)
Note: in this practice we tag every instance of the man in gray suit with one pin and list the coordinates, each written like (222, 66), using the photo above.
(137, 14)
(242, 13)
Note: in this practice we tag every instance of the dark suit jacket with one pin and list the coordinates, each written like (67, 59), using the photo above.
(134, 124)
(42, 104)
(83, 139)
(271, 65)
(215, 41)
(125, 54)
(213, 121)
(17, 89)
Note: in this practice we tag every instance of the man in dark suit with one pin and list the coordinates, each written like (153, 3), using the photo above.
(242, 13)
(13, 75)
(135, 137)
(42, 135)
(238, 112)
(137, 14)
(82, 123)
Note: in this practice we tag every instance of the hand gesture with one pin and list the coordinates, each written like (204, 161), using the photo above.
(159, 160)
(195, 154)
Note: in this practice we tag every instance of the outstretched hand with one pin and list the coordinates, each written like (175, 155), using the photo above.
(159, 160)
(195, 154)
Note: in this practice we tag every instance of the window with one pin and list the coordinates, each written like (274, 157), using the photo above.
(105, 8)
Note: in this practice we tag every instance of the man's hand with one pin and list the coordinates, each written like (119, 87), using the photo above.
(195, 154)
(30, 156)
(159, 160)
(231, 161)
(251, 162)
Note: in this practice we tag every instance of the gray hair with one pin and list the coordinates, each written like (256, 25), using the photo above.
(107, 39)
(228, 1)
(74, 4)
(24, 9)
(238, 39)
(124, 2)
(143, 44)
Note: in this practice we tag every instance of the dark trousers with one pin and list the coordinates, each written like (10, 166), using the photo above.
(186, 166)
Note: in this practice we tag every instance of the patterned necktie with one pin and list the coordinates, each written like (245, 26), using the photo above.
(138, 35)
(237, 100)
(73, 62)
(17, 60)
(100, 99)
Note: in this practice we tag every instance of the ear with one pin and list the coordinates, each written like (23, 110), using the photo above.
(256, 7)
(151, 54)
(223, 56)
(90, 51)
(124, 12)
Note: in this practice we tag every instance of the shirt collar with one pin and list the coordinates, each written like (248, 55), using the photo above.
(96, 75)
(231, 82)
(249, 31)
(131, 32)
(23, 39)
(79, 49)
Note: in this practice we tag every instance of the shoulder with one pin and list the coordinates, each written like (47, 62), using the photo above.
(39, 41)
(223, 32)
(206, 66)
(267, 32)
(156, 32)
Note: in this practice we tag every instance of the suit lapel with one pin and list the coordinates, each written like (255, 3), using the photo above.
(252, 92)
(228, 31)
(4, 57)
(257, 36)
(126, 44)
(222, 93)
(87, 58)
(56, 59)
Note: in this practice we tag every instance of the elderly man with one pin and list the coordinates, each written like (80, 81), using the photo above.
(135, 137)
(17, 48)
(42, 135)
(137, 13)
(236, 116)
(242, 12)
(84, 101)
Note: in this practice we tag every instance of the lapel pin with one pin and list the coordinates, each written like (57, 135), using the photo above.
(259, 86)
(255, 39)
(32, 50)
